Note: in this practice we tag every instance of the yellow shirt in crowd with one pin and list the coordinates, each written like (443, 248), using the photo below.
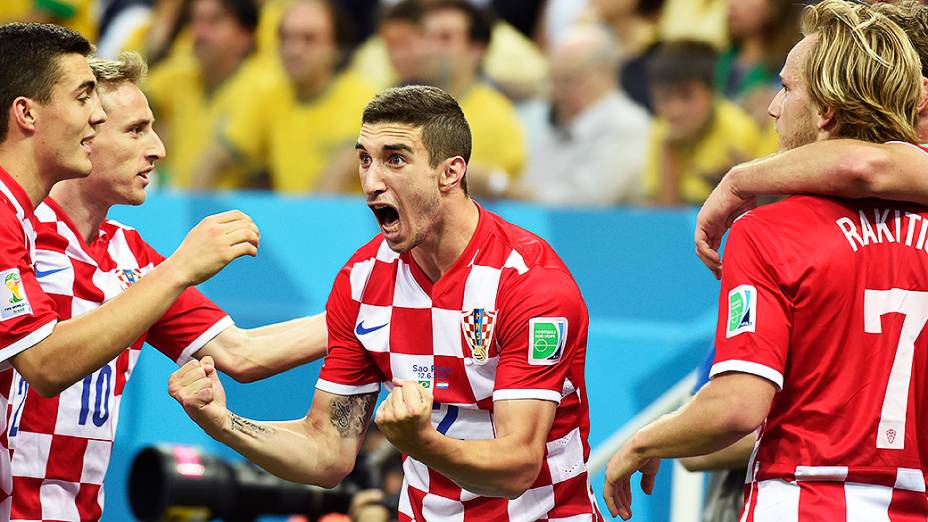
(733, 138)
(190, 117)
(499, 141)
(77, 15)
(297, 140)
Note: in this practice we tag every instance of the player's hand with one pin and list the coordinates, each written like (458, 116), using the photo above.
(720, 210)
(197, 388)
(617, 491)
(405, 416)
(214, 243)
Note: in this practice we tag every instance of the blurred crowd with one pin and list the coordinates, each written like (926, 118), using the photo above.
(571, 102)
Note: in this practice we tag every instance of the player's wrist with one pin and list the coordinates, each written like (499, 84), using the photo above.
(175, 272)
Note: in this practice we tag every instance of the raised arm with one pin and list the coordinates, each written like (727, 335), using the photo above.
(505, 466)
(727, 409)
(318, 449)
(845, 168)
(251, 354)
(83, 344)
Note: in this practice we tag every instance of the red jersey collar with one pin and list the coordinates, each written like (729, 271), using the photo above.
(21, 197)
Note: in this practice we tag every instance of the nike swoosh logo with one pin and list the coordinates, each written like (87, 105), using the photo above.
(40, 273)
(360, 330)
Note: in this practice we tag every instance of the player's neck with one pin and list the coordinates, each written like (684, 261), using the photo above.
(86, 213)
(448, 240)
(18, 159)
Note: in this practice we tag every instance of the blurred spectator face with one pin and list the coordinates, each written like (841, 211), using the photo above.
(582, 71)
(405, 43)
(217, 35)
(448, 45)
(792, 107)
(746, 17)
(307, 42)
(611, 10)
(686, 107)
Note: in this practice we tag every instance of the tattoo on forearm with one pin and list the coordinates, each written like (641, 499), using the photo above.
(351, 415)
(250, 428)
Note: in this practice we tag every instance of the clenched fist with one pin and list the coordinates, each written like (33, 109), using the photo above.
(197, 388)
(215, 242)
(405, 416)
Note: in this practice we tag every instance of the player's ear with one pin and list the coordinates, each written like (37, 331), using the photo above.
(923, 102)
(452, 173)
(22, 113)
(826, 120)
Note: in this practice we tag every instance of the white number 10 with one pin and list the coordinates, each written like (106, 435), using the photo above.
(914, 307)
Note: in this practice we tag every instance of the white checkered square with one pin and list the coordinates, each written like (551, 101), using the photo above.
(31, 455)
(407, 293)
(446, 332)
(435, 507)
(404, 367)
(359, 276)
(96, 458)
(481, 287)
(416, 475)
(371, 316)
(482, 377)
(385, 254)
(532, 505)
(565, 457)
(57, 498)
(55, 269)
(470, 424)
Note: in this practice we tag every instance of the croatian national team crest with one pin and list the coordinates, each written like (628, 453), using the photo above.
(478, 331)
(128, 276)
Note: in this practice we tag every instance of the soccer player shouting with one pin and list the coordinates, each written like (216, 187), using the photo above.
(475, 326)
(48, 117)
(61, 445)
(823, 302)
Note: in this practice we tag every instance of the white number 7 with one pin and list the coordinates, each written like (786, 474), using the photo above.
(914, 306)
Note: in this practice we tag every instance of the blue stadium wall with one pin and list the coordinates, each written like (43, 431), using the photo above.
(652, 307)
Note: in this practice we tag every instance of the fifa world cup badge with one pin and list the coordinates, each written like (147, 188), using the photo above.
(478, 331)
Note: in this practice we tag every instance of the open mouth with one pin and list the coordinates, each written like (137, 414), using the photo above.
(388, 217)
(85, 143)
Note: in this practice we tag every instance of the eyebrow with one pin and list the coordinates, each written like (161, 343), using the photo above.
(89, 85)
(390, 147)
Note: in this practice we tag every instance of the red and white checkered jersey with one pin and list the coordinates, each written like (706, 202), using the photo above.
(506, 321)
(27, 315)
(828, 299)
(61, 445)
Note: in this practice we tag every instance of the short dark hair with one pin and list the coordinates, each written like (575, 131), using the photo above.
(409, 11)
(683, 61)
(479, 21)
(245, 13)
(29, 55)
(445, 131)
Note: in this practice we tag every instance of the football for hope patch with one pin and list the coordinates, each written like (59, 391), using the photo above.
(13, 299)
(547, 337)
(742, 310)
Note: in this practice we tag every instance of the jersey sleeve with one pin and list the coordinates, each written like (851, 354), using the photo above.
(542, 325)
(190, 323)
(27, 313)
(347, 368)
(755, 311)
